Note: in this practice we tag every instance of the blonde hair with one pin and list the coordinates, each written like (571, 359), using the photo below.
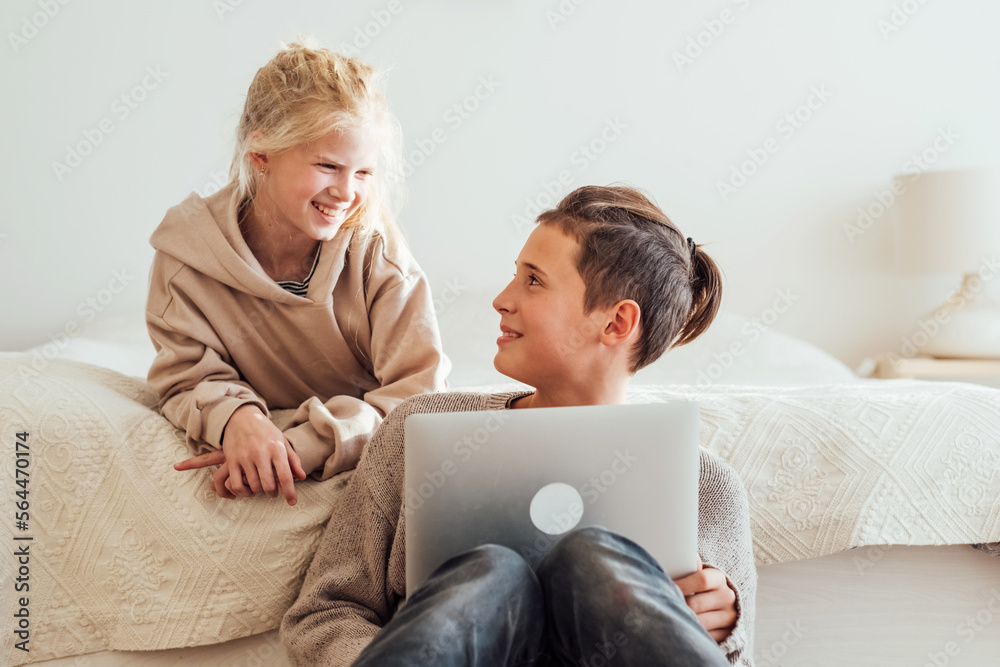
(303, 94)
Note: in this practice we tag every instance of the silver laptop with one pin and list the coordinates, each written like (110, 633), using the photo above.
(523, 478)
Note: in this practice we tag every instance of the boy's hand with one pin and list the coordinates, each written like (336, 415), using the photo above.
(710, 597)
(220, 481)
(219, 478)
(253, 452)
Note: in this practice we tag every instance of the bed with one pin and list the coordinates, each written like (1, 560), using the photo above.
(865, 496)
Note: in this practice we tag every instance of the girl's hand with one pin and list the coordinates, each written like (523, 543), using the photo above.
(220, 479)
(253, 452)
(709, 596)
(256, 449)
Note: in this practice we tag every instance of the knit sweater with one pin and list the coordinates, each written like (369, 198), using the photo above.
(357, 579)
(362, 339)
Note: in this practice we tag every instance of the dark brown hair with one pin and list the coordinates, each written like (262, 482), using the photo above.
(629, 249)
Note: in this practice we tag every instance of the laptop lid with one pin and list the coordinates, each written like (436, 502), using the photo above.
(523, 478)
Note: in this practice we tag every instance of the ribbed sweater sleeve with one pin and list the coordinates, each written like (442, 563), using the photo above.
(356, 578)
(724, 542)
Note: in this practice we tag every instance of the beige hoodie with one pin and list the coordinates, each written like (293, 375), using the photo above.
(362, 340)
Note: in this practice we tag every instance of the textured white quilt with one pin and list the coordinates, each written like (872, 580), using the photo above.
(130, 555)
(832, 467)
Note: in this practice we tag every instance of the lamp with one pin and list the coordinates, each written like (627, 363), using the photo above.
(949, 222)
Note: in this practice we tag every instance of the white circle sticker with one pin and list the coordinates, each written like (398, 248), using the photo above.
(556, 509)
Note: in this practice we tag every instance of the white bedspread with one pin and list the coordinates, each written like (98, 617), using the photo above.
(832, 467)
(129, 554)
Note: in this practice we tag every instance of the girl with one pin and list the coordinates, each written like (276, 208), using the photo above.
(291, 287)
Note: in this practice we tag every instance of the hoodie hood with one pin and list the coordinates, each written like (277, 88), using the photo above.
(204, 234)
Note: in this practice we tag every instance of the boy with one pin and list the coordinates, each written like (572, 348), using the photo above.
(603, 286)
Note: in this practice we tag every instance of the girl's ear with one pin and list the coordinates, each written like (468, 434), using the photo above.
(259, 160)
(623, 325)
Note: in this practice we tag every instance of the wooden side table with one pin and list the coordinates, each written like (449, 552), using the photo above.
(978, 371)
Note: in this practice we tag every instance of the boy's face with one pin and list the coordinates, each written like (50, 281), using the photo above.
(546, 337)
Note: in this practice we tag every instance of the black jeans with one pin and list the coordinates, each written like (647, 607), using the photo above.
(597, 599)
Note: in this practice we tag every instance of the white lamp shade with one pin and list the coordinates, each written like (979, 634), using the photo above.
(946, 221)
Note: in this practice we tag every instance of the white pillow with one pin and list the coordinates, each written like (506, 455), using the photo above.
(736, 350)
(119, 342)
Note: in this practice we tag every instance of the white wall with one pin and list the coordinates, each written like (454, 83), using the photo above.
(560, 83)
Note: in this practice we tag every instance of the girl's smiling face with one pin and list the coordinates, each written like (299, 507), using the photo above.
(546, 338)
(313, 188)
